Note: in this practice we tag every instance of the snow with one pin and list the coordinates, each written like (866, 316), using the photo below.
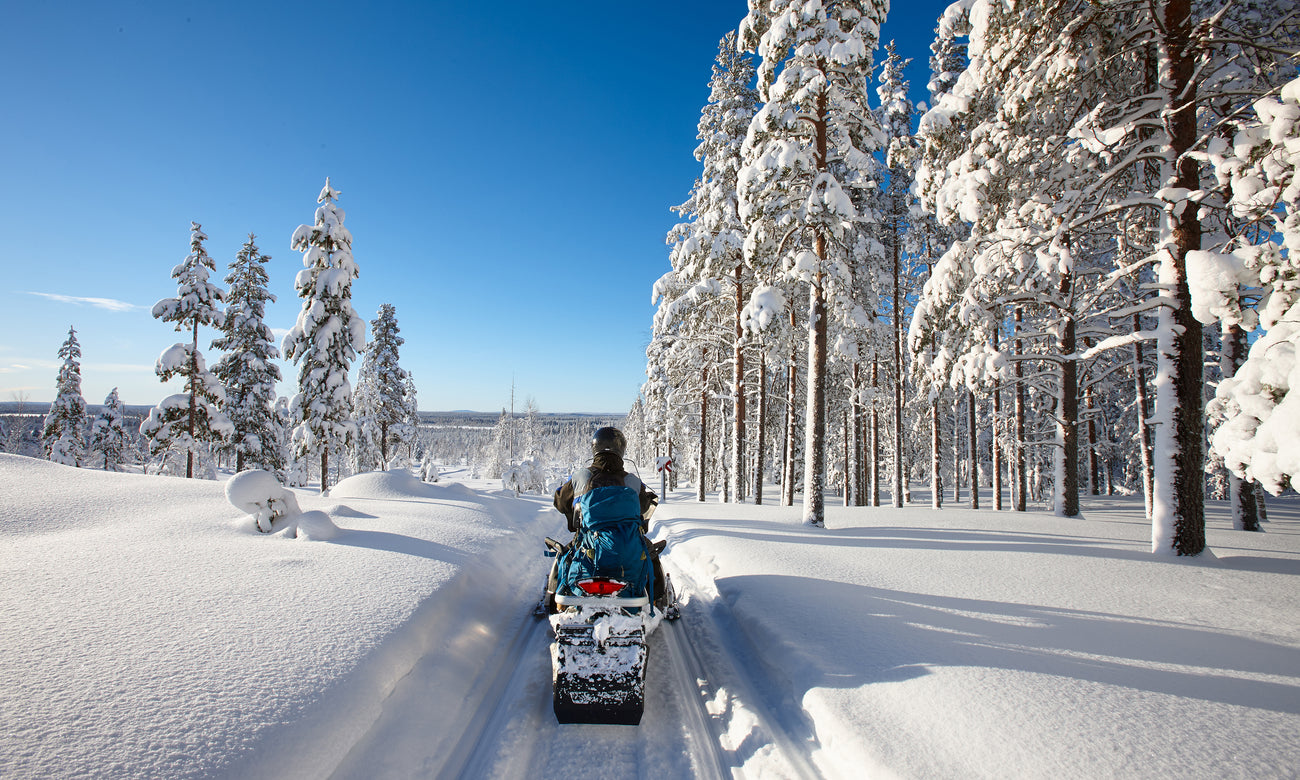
(150, 631)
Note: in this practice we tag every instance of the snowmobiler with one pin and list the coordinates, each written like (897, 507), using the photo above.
(600, 589)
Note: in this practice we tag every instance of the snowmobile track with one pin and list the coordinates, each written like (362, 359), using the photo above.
(475, 752)
(711, 711)
(711, 626)
(692, 684)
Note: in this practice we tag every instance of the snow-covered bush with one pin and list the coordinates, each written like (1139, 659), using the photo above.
(530, 475)
(274, 508)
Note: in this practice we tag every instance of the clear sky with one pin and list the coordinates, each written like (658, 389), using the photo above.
(507, 170)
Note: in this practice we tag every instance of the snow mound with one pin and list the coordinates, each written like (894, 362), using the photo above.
(343, 510)
(392, 484)
(315, 526)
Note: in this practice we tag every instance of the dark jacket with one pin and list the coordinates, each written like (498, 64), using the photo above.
(605, 469)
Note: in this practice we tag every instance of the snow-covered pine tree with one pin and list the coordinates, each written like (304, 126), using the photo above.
(1043, 232)
(191, 421)
(500, 455)
(1080, 98)
(109, 440)
(381, 389)
(688, 333)
(709, 245)
(63, 435)
(247, 370)
(896, 121)
(532, 430)
(412, 414)
(325, 339)
(769, 327)
(812, 139)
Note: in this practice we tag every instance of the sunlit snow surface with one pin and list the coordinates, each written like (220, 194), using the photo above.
(149, 631)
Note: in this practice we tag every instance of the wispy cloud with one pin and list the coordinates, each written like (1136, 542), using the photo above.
(99, 303)
(29, 364)
(119, 367)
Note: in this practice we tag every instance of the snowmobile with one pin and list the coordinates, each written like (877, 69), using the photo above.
(598, 657)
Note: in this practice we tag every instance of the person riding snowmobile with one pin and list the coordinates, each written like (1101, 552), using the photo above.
(607, 448)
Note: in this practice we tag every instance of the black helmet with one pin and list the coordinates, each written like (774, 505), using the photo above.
(609, 439)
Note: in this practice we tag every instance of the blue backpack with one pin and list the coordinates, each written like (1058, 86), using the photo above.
(609, 543)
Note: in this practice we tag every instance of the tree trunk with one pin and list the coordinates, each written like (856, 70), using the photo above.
(936, 461)
(898, 375)
(956, 448)
(1022, 476)
(1094, 462)
(1144, 414)
(875, 432)
(973, 441)
(194, 401)
(814, 513)
(993, 428)
(324, 469)
(859, 448)
(1178, 508)
(846, 499)
(704, 426)
(1241, 494)
(672, 475)
(724, 472)
(1067, 489)
(738, 407)
(791, 396)
(761, 424)
(1067, 405)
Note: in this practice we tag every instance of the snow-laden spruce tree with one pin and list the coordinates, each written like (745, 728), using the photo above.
(191, 421)
(709, 245)
(247, 369)
(325, 339)
(809, 144)
(109, 441)
(381, 407)
(63, 435)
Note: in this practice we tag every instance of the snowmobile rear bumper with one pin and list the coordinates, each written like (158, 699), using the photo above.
(598, 663)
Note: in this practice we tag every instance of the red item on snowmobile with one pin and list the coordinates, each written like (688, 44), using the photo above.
(601, 586)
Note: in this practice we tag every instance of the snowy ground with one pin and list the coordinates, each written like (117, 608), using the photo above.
(148, 630)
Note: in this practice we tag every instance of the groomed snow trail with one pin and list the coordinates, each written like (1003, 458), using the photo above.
(494, 719)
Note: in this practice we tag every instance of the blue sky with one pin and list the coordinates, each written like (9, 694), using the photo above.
(507, 170)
